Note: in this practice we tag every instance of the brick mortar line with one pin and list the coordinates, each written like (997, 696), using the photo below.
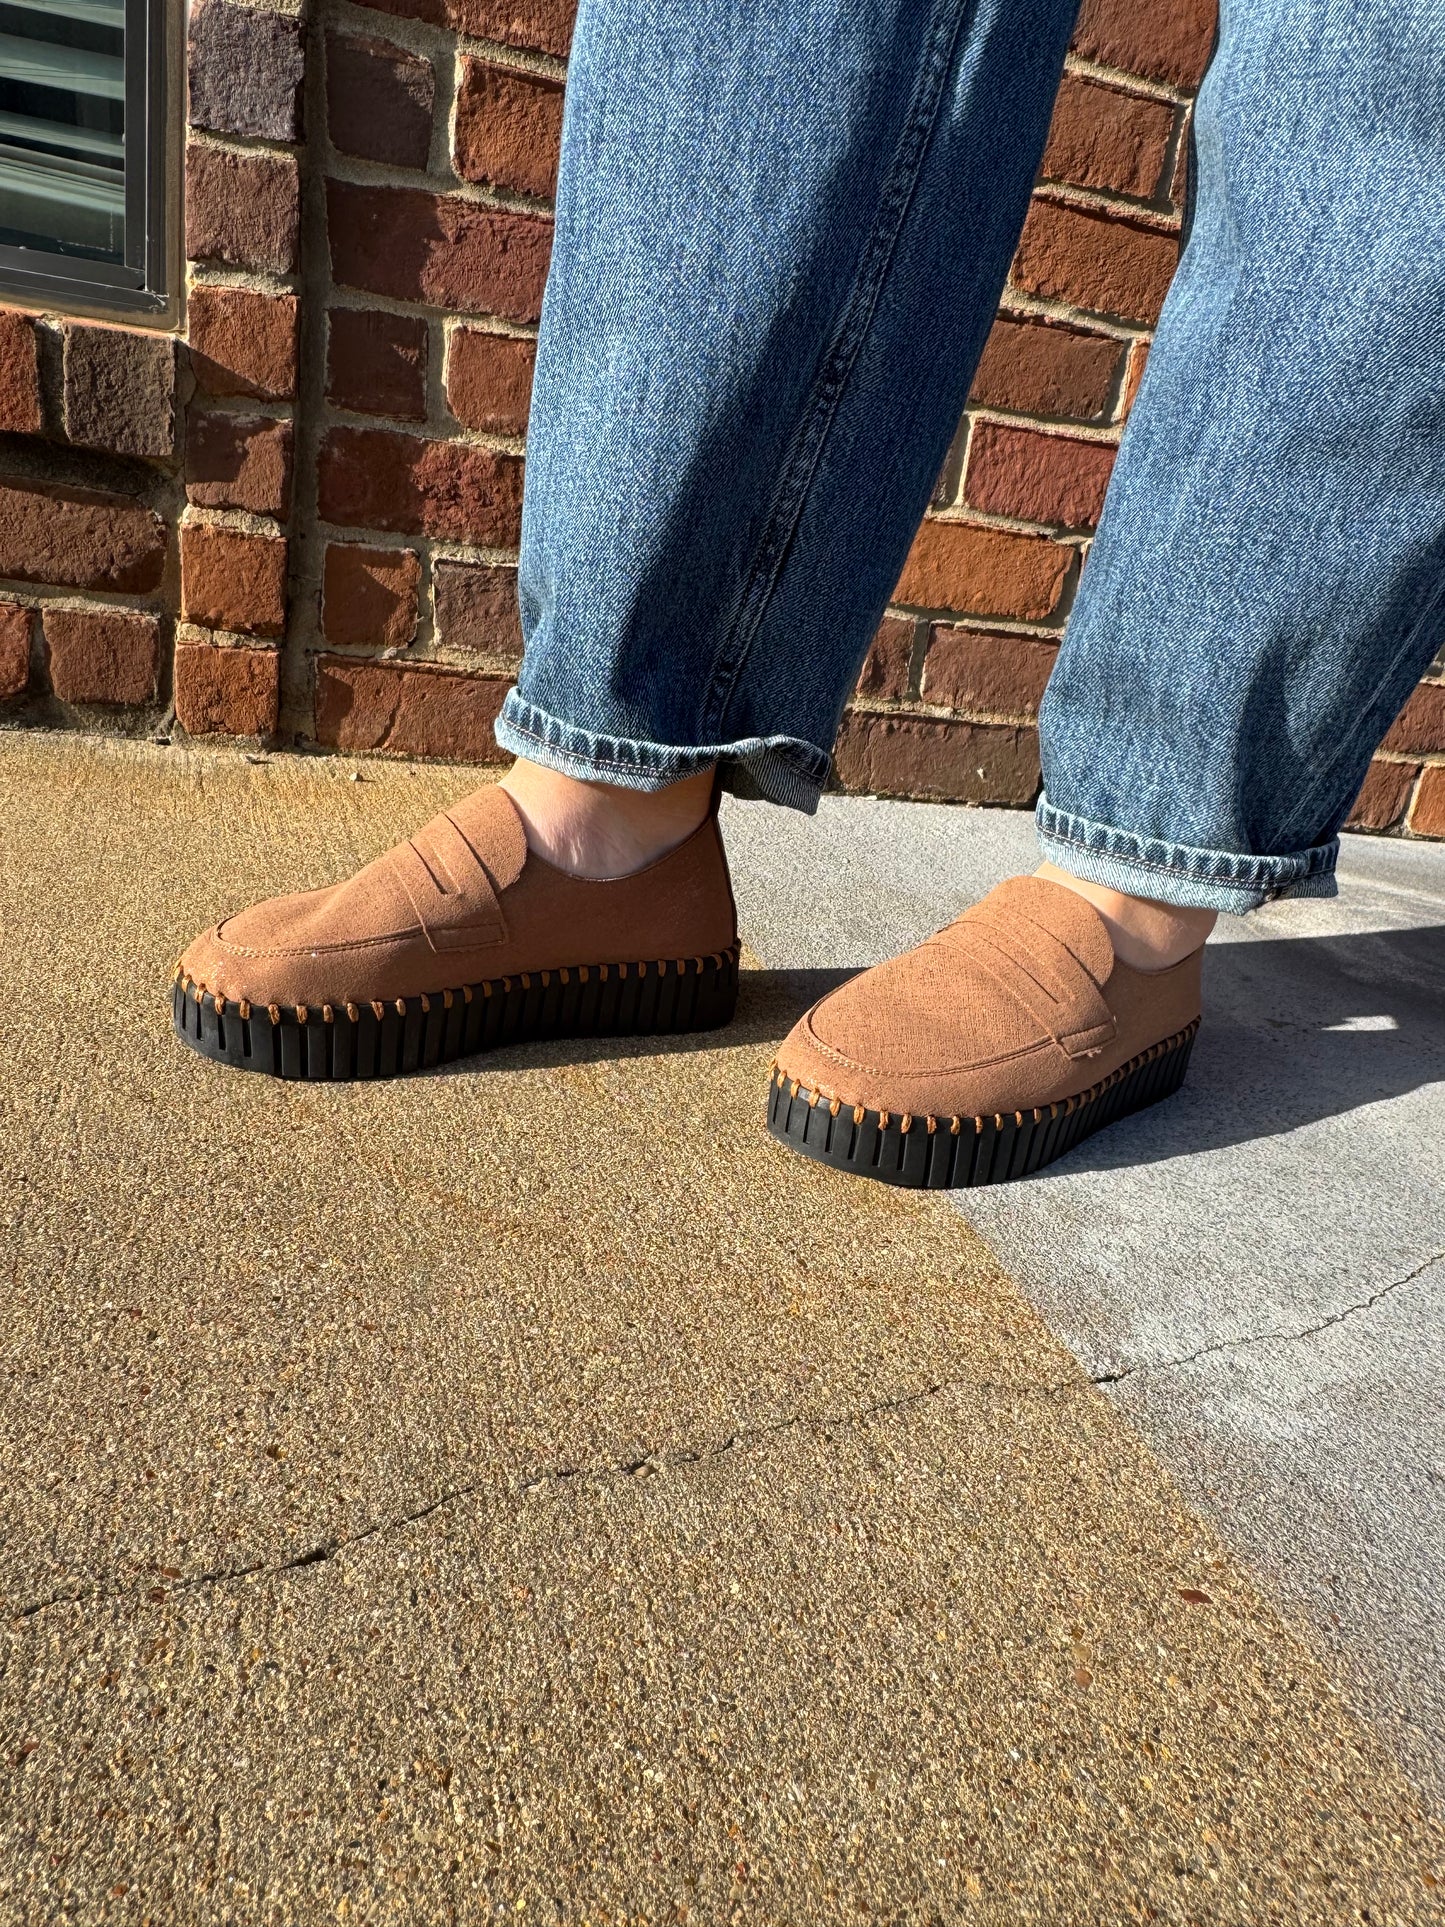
(242, 144)
(1107, 423)
(224, 276)
(966, 515)
(1139, 85)
(451, 433)
(1160, 202)
(353, 171)
(340, 295)
(1017, 627)
(1099, 200)
(39, 596)
(441, 548)
(240, 521)
(1055, 428)
(1169, 173)
(249, 407)
(197, 635)
(436, 43)
(919, 709)
(1017, 304)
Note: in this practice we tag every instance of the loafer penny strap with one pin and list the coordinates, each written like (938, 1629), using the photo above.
(449, 889)
(1026, 960)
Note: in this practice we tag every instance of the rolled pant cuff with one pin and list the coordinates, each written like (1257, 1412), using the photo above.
(774, 769)
(1178, 873)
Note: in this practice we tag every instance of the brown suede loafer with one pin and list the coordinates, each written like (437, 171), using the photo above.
(988, 1051)
(456, 941)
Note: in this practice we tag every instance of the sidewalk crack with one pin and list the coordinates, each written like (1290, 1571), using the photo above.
(1275, 1336)
(631, 1467)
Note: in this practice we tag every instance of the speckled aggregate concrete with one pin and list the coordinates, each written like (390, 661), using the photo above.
(526, 1492)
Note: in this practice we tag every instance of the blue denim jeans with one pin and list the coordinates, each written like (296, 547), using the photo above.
(782, 232)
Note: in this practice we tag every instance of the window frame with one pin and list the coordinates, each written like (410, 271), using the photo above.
(144, 283)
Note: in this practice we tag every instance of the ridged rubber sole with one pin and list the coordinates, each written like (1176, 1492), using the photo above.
(344, 1042)
(956, 1153)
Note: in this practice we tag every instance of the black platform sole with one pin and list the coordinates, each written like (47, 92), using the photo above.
(954, 1153)
(348, 1041)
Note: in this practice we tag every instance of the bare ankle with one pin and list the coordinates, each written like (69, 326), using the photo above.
(1146, 935)
(600, 829)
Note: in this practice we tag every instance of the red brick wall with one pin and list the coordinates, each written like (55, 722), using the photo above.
(298, 518)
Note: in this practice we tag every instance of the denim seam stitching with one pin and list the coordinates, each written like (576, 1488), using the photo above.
(914, 142)
(1174, 869)
(605, 762)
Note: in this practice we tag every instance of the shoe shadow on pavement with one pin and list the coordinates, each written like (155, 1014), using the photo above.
(770, 1002)
(1295, 1030)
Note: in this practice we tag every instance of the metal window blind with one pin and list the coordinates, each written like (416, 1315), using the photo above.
(62, 126)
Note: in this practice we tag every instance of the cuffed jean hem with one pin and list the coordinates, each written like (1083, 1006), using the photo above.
(771, 769)
(1178, 873)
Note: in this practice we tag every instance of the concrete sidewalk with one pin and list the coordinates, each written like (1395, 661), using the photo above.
(527, 1492)
(1254, 1273)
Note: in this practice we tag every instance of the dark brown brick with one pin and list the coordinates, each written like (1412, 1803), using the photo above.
(476, 609)
(1427, 818)
(379, 100)
(243, 343)
(244, 209)
(1057, 479)
(102, 655)
(239, 462)
(20, 411)
(888, 664)
(508, 128)
(369, 596)
(489, 380)
(14, 649)
(408, 710)
(439, 249)
(1419, 729)
(543, 24)
(79, 539)
(372, 478)
(246, 69)
(1167, 40)
(1384, 796)
(227, 692)
(1102, 262)
(1102, 137)
(376, 363)
(987, 672)
(233, 580)
(890, 755)
(983, 572)
(1039, 368)
(119, 389)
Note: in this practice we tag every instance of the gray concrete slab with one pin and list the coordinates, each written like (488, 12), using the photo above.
(1254, 1271)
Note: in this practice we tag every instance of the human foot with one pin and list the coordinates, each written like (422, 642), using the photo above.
(988, 1051)
(600, 830)
(1145, 934)
(458, 940)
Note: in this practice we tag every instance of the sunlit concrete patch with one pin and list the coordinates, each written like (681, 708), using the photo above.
(1256, 1270)
(526, 1491)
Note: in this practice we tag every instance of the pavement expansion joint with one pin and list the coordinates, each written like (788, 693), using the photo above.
(1274, 1336)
